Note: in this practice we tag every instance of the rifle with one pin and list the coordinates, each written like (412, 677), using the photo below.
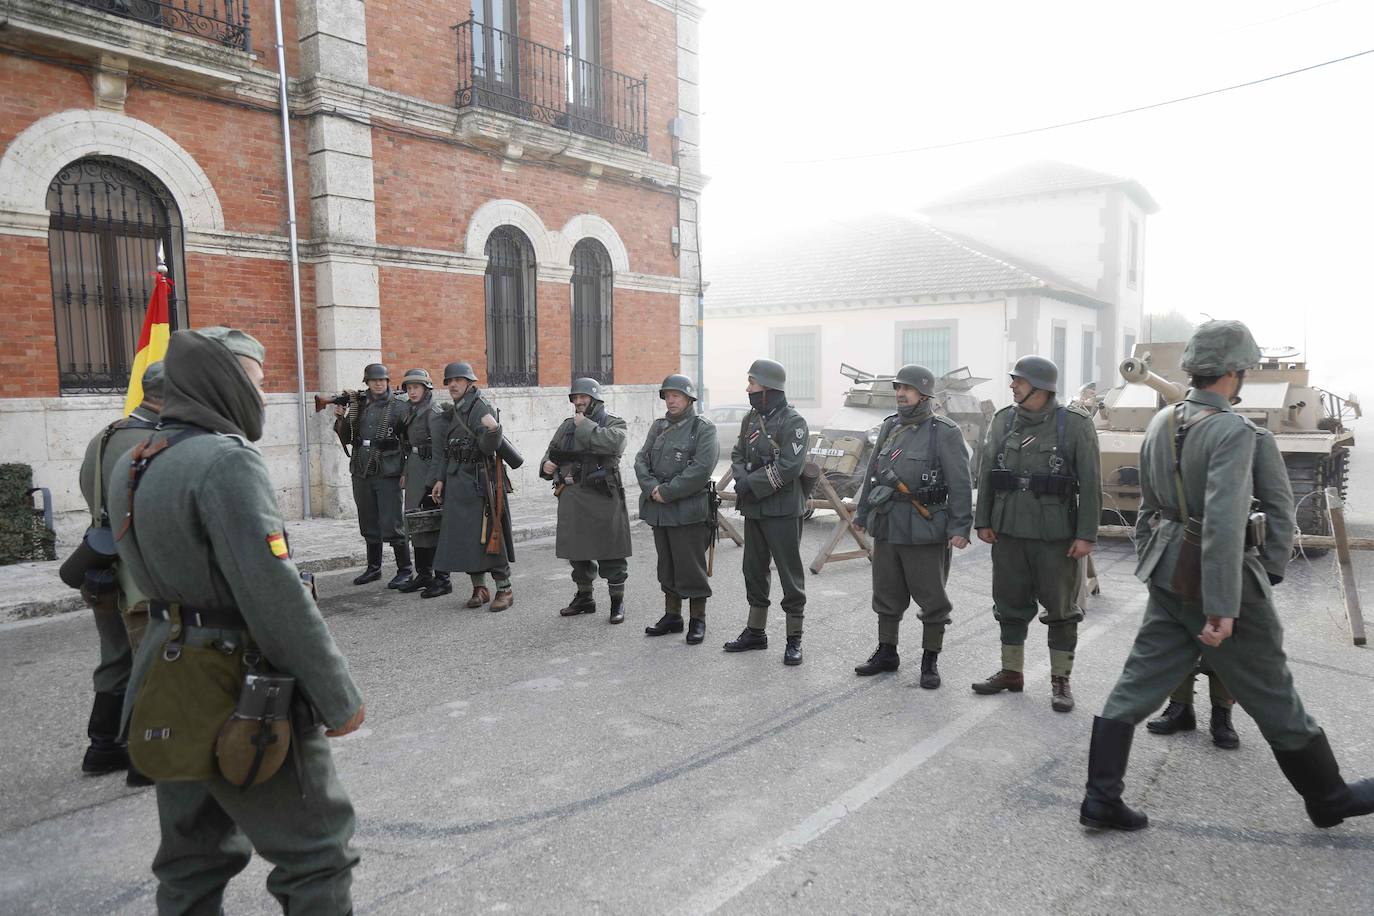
(494, 483)
(352, 400)
(714, 520)
(889, 477)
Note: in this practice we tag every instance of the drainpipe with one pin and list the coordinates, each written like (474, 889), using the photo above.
(302, 417)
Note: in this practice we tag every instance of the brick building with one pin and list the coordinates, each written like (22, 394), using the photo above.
(512, 182)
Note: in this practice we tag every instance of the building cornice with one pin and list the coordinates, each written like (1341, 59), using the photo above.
(686, 8)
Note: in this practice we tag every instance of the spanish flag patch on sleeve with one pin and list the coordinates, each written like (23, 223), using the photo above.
(276, 542)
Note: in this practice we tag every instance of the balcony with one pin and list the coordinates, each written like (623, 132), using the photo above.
(505, 73)
(225, 22)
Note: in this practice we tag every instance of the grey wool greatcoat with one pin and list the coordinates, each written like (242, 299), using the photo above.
(678, 458)
(417, 439)
(453, 429)
(591, 524)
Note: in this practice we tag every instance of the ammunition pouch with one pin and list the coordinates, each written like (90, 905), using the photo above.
(423, 452)
(252, 745)
(880, 495)
(932, 496)
(1040, 484)
(464, 451)
(387, 445)
(598, 479)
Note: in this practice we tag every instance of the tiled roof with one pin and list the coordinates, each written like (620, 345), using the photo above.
(864, 259)
(1038, 178)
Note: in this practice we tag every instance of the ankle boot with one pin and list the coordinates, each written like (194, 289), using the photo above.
(480, 595)
(106, 752)
(884, 658)
(668, 623)
(504, 598)
(696, 627)
(1176, 717)
(582, 603)
(424, 569)
(1313, 771)
(1223, 735)
(1005, 679)
(617, 609)
(792, 655)
(404, 571)
(374, 565)
(1108, 754)
(749, 638)
(442, 585)
(1061, 697)
(930, 669)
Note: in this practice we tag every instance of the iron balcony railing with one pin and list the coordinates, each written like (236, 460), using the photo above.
(222, 21)
(510, 74)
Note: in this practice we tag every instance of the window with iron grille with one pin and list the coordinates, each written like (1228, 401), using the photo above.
(929, 347)
(512, 344)
(1089, 356)
(106, 220)
(592, 339)
(799, 351)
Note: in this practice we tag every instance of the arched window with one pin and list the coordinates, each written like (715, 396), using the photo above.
(107, 218)
(512, 344)
(592, 355)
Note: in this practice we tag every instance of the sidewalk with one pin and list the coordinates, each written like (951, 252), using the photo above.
(318, 545)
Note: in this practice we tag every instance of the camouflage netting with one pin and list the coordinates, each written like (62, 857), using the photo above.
(23, 536)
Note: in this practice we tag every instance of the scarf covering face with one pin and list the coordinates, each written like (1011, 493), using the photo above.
(910, 416)
(767, 400)
(206, 386)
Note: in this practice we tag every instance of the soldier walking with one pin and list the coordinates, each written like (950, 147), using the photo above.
(417, 440)
(583, 461)
(475, 536)
(120, 610)
(917, 504)
(767, 462)
(674, 469)
(1211, 565)
(376, 464)
(204, 540)
(1039, 504)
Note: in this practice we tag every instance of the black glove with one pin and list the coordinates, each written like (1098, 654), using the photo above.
(742, 491)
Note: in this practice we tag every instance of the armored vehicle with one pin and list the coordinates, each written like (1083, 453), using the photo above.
(841, 447)
(1308, 423)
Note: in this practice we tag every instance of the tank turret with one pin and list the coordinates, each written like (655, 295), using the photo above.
(1138, 371)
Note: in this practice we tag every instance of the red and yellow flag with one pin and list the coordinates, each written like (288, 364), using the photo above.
(152, 342)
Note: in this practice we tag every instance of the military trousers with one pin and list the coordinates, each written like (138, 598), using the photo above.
(210, 829)
(1216, 690)
(1028, 574)
(615, 572)
(774, 541)
(682, 553)
(1251, 662)
(380, 515)
(903, 573)
(116, 653)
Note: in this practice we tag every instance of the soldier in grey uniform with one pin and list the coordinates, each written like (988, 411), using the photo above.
(1039, 504)
(118, 631)
(466, 434)
(583, 461)
(917, 503)
(767, 463)
(377, 463)
(205, 542)
(1211, 566)
(419, 449)
(674, 469)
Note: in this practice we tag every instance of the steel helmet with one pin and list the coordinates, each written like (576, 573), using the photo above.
(418, 376)
(1039, 371)
(918, 377)
(375, 371)
(769, 374)
(588, 386)
(1219, 347)
(459, 370)
(676, 382)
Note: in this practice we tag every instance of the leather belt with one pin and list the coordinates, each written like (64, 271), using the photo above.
(199, 617)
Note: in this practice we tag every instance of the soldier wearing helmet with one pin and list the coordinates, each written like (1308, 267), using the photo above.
(467, 441)
(767, 463)
(376, 465)
(1211, 565)
(419, 450)
(583, 461)
(674, 469)
(917, 504)
(1039, 504)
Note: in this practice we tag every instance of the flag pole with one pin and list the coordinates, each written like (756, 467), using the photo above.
(162, 272)
(302, 417)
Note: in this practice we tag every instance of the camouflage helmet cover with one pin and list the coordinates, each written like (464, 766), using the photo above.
(375, 371)
(1039, 371)
(769, 374)
(588, 386)
(1219, 347)
(677, 382)
(918, 377)
(417, 376)
(459, 369)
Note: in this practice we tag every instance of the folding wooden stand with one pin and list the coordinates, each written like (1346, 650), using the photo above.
(828, 499)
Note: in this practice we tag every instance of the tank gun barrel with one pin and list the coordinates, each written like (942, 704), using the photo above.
(1135, 370)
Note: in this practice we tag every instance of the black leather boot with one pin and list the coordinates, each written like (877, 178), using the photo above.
(696, 631)
(374, 565)
(1102, 806)
(1176, 717)
(1314, 773)
(442, 585)
(404, 571)
(1223, 735)
(930, 669)
(424, 566)
(668, 623)
(792, 655)
(884, 658)
(749, 638)
(617, 609)
(582, 603)
(106, 752)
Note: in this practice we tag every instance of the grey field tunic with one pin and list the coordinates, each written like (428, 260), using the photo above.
(460, 547)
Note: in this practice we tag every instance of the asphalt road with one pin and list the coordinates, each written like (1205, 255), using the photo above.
(519, 762)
